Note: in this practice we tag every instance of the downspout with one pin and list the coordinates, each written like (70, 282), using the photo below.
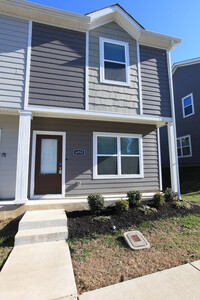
(173, 116)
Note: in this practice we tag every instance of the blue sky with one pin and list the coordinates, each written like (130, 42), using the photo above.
(179, 18)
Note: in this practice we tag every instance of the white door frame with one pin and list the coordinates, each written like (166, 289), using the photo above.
(35, 133)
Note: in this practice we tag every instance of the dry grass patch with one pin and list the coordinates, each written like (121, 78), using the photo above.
(106, 259)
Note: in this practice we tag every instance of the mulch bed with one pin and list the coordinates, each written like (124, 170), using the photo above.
(81, 223)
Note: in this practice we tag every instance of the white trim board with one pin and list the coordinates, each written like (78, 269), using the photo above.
(63, 134)
(28, 65)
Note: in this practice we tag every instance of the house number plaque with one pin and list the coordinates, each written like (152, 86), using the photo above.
(78, 152)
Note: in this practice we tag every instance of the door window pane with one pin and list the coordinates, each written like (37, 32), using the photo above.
(107, 145)
(107, 165)
(130, 165)
(48, 156)
(129, 146)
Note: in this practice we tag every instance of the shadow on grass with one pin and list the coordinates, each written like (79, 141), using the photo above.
(7, 237)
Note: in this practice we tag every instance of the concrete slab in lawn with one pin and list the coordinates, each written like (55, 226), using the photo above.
(43, 218)
(38, 272)
(179, 283)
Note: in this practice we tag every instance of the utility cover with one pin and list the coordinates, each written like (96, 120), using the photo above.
(136, 240)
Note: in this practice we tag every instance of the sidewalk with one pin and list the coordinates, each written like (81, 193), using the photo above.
(179, 283)
(39, 267)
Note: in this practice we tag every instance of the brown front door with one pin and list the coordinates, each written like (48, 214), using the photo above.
(48, 164)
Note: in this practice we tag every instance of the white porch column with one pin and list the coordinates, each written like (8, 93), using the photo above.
(21, 190)
(173, 155)
(173, 159)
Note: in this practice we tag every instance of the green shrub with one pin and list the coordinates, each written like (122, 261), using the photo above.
(101, 219)
(158, 200)
(147, 210)
(169, 195)
(121, 205)
(181, 204)
(96, 203)
(134, 197)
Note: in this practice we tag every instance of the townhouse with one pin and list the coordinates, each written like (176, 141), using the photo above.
(82, 99)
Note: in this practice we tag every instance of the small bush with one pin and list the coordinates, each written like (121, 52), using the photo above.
(169, 195)
(96, 203)
(134, 197)
(181, 204)
(101, 219)
(121, 205)
(147, 210)
(158, 200)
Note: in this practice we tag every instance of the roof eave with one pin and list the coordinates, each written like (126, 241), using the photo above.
(41, 13)
(185, 63)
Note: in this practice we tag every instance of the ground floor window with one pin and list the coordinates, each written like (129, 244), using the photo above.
(117, 155)
(184, 146)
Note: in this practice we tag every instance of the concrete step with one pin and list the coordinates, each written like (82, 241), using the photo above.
(43, 218)
(40, 235)
(38, 272)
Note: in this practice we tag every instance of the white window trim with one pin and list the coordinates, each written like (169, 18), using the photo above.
(32, 186)
(190, 145)
(127, 64)
(190, 95)
(117, 135)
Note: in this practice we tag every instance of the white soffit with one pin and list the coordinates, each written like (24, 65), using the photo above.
(44, 14)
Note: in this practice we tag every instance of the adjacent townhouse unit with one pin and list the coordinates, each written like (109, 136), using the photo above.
(186, 79)
(82, 98)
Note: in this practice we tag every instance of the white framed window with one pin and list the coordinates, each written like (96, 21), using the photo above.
(188, 105)
(114, 61)
(184, 146)
(117, 155)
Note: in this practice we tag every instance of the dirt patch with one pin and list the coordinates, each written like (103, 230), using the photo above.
(81, 223)
(101, 257)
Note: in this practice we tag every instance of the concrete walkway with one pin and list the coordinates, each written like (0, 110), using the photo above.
(179, 283)
(39, 267)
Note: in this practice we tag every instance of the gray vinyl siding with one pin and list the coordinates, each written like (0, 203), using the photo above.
(155, 84)
(13, 55)
(110, 97)
(186, 81)
(57, 76)
(79, 135)
(8, 144)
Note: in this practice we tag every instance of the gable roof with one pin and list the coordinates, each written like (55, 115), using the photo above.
(129, 24)
(96, 11)
(185, 63)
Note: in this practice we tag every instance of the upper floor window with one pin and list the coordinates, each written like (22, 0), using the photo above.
(117, 155)
(188, 105)
(114, 62)
(184, 146)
